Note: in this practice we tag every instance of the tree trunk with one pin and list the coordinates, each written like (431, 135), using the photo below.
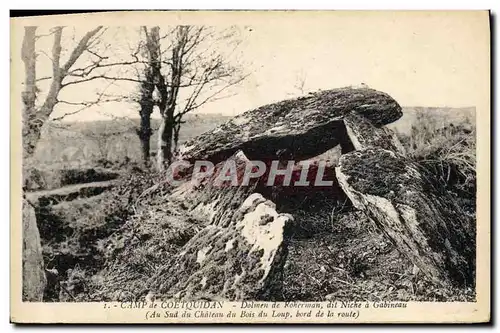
(165, 133)
(147, 105)
(168, 92)
(177, 129)
(159, 150)
(29, 94)
(144, 136)
(34, 119)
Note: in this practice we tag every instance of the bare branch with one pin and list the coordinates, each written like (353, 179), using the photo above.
(96, 54)
(57, 76)
(86, 105)
(82, 45)
(211, 97)
(91, 103)
(70, 113)
(46, 54)
(56, 53)
(44, 78)
(82, 72)
(44, 35)
(100, 77)
(97, 38)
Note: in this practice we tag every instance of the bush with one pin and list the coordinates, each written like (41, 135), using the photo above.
(446, 152)
(72, 231)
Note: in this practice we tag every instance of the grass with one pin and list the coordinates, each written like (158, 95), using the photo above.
(446, 152)
(343, 264)
(346, 257)
(143, 244)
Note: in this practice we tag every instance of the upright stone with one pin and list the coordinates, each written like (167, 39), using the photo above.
(34, 280)
(363, 134)
(212, 201)
(423, 222)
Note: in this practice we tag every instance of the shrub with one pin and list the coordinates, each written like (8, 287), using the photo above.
(72, 231)
(446, 152)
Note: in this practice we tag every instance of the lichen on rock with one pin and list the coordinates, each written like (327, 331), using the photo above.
(424, 223)
(240, 261)
(307, 126)
(34, 280)
(363, 134)
(214, 202)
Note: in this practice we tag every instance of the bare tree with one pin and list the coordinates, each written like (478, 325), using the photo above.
(182, 66)
(187, 74)
(35, 116)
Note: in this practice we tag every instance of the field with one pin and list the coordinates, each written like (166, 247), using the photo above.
(85, 143)
(99, 247)
(82, 144)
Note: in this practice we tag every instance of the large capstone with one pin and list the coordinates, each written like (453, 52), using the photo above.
(293, 129)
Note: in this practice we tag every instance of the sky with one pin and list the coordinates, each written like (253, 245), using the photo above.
(419, 58)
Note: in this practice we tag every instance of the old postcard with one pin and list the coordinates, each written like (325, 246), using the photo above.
(251, 167)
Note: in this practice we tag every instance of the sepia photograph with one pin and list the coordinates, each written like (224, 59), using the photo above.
(251, 166)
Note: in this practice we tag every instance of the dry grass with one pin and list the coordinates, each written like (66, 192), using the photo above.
(336, 253)
(350, 259)
(144, 244)
(446, 152)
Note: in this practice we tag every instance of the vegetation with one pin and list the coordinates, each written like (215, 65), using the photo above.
(71, 232)
(184, 65)
(103, 242)
(447, 152)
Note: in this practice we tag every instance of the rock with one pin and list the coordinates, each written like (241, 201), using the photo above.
(424, 223)
(241, 261)
(34, 280)
(205, 199)
(362, 134)
(301, 128)
(321, 182)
